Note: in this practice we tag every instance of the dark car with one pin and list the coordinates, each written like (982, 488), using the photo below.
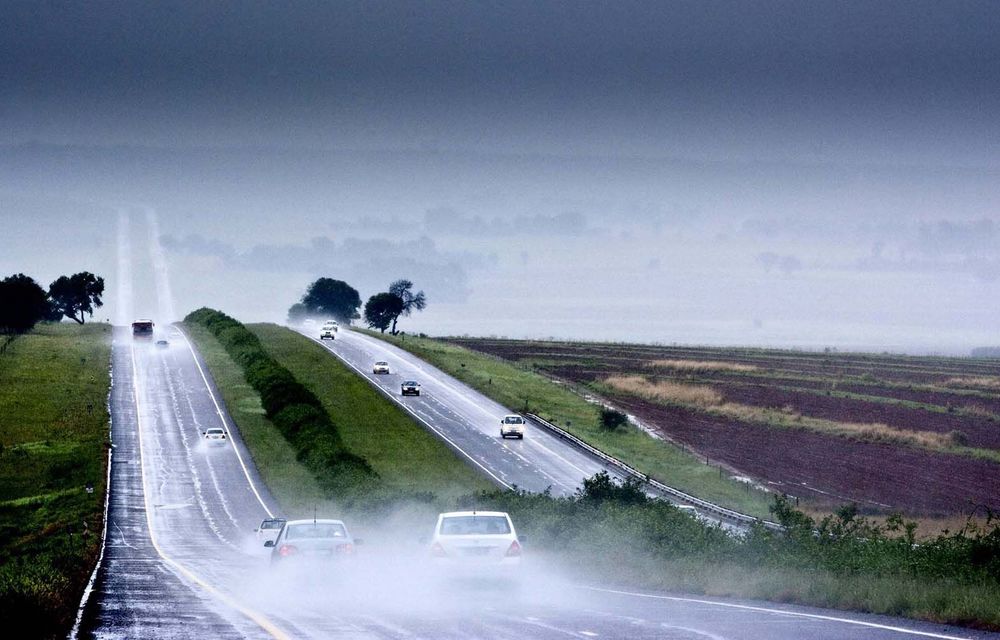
(411, 388)
(162, 343)
(312, 540)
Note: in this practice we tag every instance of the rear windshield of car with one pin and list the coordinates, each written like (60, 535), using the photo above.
(513, 420)
(215, 432)
(272, 524)
(312, 531)
(474, 525)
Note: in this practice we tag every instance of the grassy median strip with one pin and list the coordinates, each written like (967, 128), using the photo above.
(405, 456)
(407, 461)
(524, 390)
(54, 385)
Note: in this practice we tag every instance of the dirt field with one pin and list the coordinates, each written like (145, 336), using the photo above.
(911, 393)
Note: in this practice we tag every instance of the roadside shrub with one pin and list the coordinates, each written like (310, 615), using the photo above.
(611, 419)
(296, 412)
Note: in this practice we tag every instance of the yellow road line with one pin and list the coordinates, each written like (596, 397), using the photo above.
(258, 618)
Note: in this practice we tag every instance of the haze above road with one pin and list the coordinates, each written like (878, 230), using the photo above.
(819, 175)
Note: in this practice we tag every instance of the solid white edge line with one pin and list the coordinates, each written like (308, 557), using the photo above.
(222, 418)
(409, 410)
(75, 631)
(799, 614)
(257, 618)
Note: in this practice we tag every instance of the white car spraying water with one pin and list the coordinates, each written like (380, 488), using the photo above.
(476, 540)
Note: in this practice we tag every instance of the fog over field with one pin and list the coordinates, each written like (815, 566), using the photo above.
(823, 175)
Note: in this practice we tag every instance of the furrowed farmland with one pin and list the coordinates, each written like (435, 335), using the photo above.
(890, 433)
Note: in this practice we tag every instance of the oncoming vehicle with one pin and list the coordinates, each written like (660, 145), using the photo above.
(269, 528)
(142, 330)
(380, 367)
(312, 540)
(512, 425)
(410, 388)
(477, 539)
(215, 435)
(328, 330)
(163, 344)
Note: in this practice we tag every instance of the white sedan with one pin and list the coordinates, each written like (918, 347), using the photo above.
(475, 539)
(215, 435)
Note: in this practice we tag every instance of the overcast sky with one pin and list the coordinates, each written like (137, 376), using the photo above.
(789, 173)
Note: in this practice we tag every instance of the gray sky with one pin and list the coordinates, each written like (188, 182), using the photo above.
(769, 173)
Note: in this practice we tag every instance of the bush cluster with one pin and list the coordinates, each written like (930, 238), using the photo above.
(617, 521)
(289, 405)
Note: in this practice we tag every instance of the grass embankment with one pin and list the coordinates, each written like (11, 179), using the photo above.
(404, 455)
(54, 421)
(406, 462)
(615, 534)
(525, 390)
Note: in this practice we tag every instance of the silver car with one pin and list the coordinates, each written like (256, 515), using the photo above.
(380, 367)
(311, 541)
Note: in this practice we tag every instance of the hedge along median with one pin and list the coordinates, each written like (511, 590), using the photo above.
(296, 412)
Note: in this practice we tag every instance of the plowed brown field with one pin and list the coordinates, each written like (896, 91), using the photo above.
(909, 393)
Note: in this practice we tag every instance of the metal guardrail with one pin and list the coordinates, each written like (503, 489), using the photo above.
(710, 508)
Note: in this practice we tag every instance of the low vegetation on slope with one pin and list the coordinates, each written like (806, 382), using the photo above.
(610, 533)
(290, 406)
(407, 462)
(405, 455)
(525, 390)
(54, 386)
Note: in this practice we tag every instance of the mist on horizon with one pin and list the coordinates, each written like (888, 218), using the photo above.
(707, 173)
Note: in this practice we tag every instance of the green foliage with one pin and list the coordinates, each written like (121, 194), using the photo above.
(327, 297)
(382, 309)
(76, 296)
(23, 304)
(289, 405)
(53, 440)
(611, 419)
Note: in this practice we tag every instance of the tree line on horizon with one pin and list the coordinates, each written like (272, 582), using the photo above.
(24, 303)
(327, 297)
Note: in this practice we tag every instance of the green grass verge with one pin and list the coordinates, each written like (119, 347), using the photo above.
(408, 460)
(54, 428)
(405, 455)
(291, 483)
(524, 390)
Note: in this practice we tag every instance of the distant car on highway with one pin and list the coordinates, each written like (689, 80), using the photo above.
(142, 329)
(513, 426)
(475, 539)
(311, 541)
(215, 435)
(411, 388)
(380, 367)
(269, 528)
(328, 330)
(162, 344)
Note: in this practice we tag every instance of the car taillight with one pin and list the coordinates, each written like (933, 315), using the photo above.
(514, 550)
(286, 550)
(345, 548)
(437, 550)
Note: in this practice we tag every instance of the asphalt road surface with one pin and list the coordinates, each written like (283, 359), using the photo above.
(182, 560)
(468, 420)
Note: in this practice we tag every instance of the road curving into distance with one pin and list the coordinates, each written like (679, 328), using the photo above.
(181, 559)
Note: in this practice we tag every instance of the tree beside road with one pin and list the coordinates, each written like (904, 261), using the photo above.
(76, 296)
(327, 297)
(382, 310)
